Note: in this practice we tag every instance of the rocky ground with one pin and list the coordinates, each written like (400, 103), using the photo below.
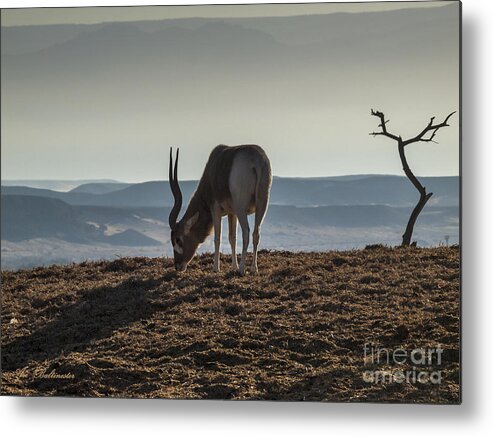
(296, 331)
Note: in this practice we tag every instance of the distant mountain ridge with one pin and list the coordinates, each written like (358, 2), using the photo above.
(55, 185)
(197, 45)
(313, 28)
(345, 190)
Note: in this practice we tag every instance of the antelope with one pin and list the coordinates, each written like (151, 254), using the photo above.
(236, 182)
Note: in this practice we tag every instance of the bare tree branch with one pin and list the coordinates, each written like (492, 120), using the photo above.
(429, 128)
(383, 126)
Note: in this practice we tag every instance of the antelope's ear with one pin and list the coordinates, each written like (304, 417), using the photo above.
(189, 224)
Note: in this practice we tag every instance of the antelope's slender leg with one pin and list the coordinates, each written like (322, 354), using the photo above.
(216, 216)
(232, 224)
(256, 238)
(245, 230)
(262, 200)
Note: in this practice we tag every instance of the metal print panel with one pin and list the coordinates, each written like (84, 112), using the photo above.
(245, 202)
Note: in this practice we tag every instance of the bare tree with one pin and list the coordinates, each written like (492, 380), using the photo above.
(426, 135)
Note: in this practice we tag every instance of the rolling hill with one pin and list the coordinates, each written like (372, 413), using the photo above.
(99, 187)
(321, 191)
(25, 217)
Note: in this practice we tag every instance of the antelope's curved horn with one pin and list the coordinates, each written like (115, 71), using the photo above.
(175, 188)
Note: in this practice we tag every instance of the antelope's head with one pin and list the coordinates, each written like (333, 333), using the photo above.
(183, 239)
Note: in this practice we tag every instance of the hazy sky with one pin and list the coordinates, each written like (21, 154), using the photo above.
(107, 101)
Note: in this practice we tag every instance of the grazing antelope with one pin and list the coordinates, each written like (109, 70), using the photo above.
(236, 182)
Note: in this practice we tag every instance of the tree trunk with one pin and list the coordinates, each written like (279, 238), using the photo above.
(406, 237)
(423, 199)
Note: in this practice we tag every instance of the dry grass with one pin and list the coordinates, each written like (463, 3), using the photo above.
(135, 328)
